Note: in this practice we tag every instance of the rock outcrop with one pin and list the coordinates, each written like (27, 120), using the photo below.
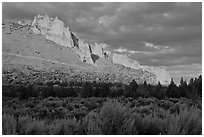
(97, 49)
(24, 22)
(124, 60)
(54, 30)
(84, 52)
(161, 74)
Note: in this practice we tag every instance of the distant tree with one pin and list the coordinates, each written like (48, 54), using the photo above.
(116, 91)
(172, 90)
(105, 90)
(191, 88)
(183, 88)
(195, 86)
(47, 91)
(157, 91)
(96, 90)
(28, 91)
(70, 92)
(199, 85)
(87, 90)
(24, 94)
(144, 90)
(131, 89)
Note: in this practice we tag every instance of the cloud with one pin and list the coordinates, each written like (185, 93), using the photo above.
(130, 52)
(151, 45)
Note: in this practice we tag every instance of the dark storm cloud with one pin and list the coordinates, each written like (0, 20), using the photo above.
(176, 26)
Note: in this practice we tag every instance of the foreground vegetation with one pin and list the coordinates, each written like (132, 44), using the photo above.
(98, 108)
(101, 116)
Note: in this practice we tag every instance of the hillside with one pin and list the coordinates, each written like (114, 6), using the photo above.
(45, 46)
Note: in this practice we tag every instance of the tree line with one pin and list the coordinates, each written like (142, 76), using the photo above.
(87, 89)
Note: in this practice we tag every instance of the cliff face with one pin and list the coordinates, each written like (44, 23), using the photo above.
(124, 60)
(161, 74)
(97, 49)
(54, 30)
(84, 52)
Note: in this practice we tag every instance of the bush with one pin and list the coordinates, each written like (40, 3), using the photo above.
(138, 125)
(112, 118)
(64, 127)
(28, 126)
(187, 122)
(8, 125)
(113, 115)
(92, 124)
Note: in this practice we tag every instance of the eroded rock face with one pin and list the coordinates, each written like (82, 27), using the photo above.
(124, 60)
(161, 74)
(54, 30)
(84, 52)
(97, 49)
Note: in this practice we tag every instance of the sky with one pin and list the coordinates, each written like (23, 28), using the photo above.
(167, 35)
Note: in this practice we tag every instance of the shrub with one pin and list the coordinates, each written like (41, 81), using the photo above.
(187, 122)
(138, 125)
(92, 124)
(64, 127)
(145, 117)
(28, 126)
(8, 125)
(149, 126)
(113, 115)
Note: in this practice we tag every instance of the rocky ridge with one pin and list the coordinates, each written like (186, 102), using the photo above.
(161, 74)
(62, 45)
(54, 29)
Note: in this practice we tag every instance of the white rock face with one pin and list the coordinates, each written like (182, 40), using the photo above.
(52, 29)
(124, 60)
(162, 75)
(84, 52)
(97, 49)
